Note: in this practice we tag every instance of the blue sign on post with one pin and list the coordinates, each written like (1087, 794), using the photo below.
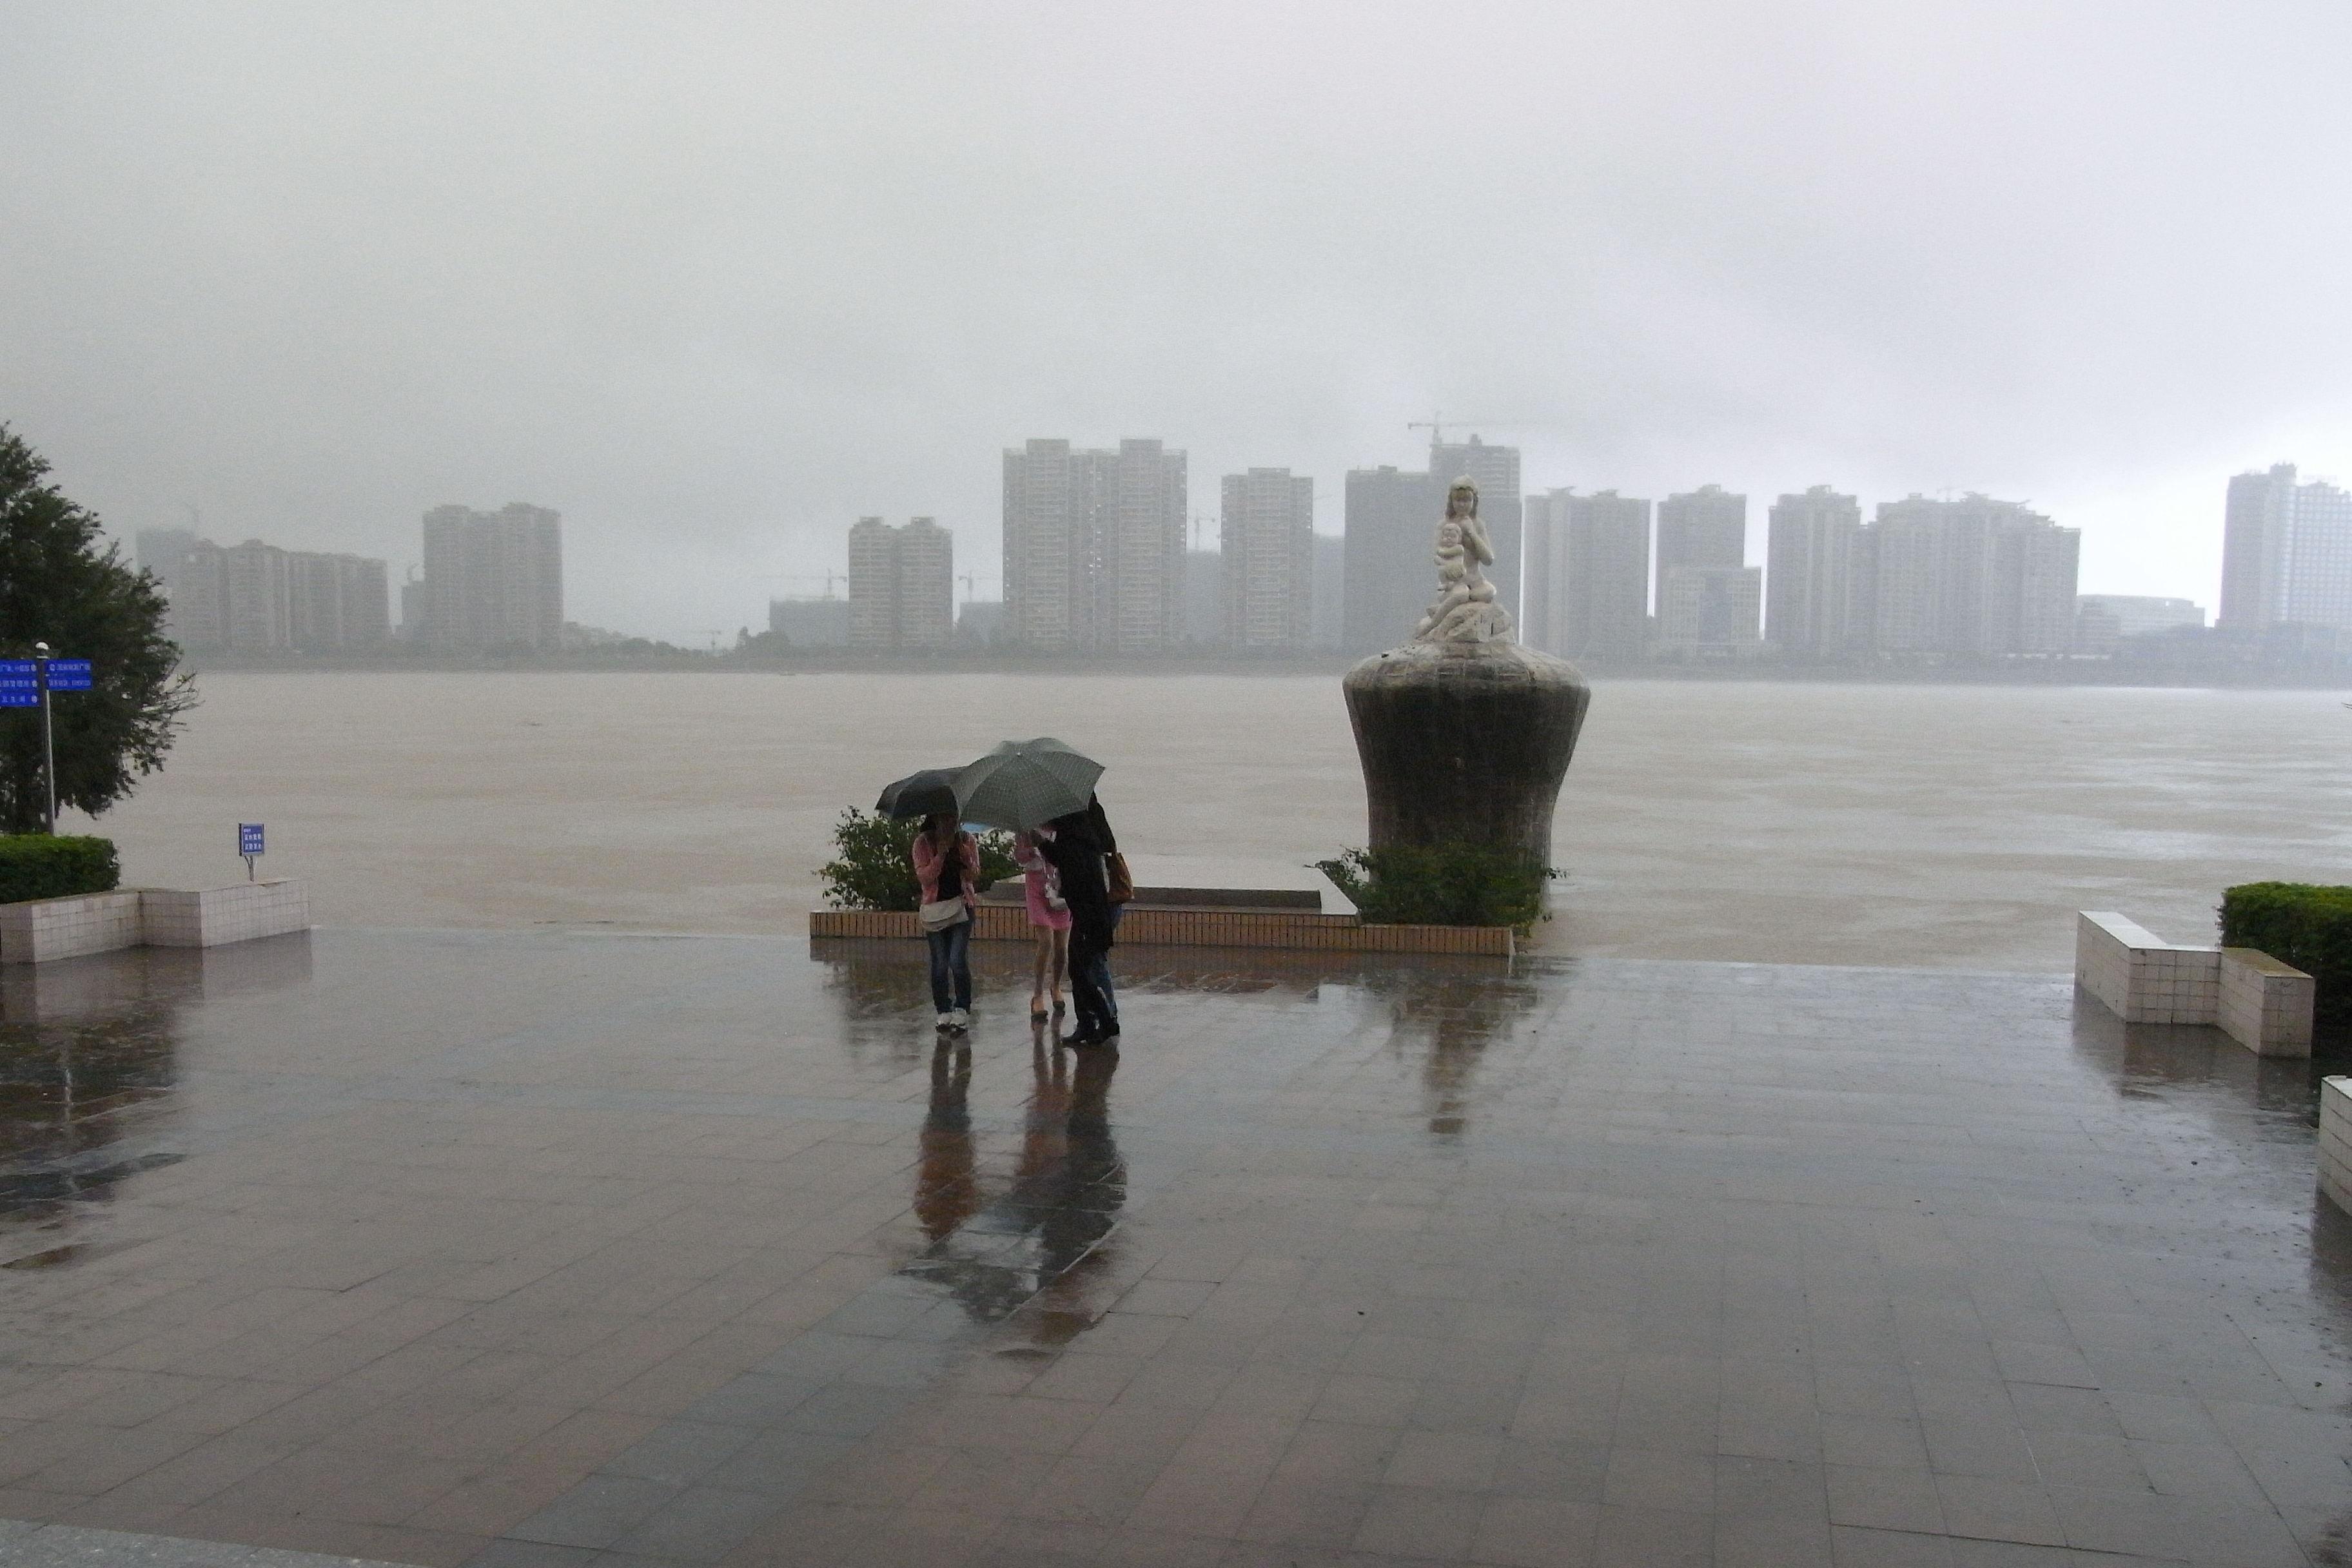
(70, 675)
(248, 843)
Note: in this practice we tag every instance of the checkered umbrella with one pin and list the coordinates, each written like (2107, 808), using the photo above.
(1023, 782)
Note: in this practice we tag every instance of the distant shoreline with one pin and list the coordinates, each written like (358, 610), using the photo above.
(2037, 672)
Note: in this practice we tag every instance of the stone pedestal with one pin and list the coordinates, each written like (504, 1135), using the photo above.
(1464, 742)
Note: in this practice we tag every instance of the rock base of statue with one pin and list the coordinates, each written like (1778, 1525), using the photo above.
(1464, 742)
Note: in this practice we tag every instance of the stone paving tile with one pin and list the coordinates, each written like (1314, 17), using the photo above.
(635, 1251)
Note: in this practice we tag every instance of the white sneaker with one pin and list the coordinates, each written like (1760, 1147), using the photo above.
(960, 1019)
(947, 1020)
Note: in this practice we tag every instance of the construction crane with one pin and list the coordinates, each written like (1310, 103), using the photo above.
(1436, 422)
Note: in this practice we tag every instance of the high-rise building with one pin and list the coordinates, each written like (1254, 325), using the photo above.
(1094, 547)
(1974, 576)
(1705, 527)
(2286, 552)
(1599, 590)
(1266, 537)
(338, 601)
(1390, 578)
(1808, 572)
(257, 599)
(901, 584)
(493, 579)
(1710, 609)
(1495, 471)
(260, 607)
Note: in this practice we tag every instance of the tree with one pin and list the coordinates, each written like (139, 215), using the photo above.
(62, 583)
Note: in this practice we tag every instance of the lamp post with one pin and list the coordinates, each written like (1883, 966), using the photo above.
(48, 740)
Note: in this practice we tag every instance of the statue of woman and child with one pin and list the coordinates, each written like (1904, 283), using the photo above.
(1465, 610)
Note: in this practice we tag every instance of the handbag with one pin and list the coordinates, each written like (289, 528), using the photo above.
(1118, 881)
(941, 913)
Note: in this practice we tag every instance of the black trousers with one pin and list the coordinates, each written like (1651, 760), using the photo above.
(1091, 989)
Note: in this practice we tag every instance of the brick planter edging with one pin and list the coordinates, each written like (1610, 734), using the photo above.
(1198, 927)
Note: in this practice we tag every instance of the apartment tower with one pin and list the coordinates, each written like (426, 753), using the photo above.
(1266, 540)
(493, 579)
(901, 584)
(1094, 547)
(1809, 572)
(2286, 552)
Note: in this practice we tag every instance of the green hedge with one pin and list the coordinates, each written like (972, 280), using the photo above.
(35, 866)
(874, 862)
(1442, 885)
(2298, 923)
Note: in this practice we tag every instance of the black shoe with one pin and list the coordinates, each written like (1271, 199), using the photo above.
(1082, 1039)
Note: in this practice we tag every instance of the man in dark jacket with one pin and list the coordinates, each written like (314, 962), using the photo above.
(1077, 851)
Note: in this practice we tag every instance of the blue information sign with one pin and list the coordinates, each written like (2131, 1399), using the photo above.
(19, 699)
(24, 675)
(248, 838)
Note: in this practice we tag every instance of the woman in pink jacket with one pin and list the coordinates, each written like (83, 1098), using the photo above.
(947, 865)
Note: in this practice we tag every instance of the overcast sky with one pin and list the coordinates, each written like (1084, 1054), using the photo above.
(715, 281)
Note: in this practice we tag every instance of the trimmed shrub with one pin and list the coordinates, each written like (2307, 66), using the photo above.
(36, 866)
(1445, 885)
(2303, 924)
(874, 863)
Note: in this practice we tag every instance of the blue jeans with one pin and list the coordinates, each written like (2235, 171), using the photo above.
(951, 966)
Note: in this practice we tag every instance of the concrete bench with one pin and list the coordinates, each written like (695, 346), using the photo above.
(2260, 1003)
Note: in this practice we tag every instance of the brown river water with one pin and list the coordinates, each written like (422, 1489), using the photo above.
(1947, 826)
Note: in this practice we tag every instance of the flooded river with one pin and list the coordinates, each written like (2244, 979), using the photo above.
(1953, 826)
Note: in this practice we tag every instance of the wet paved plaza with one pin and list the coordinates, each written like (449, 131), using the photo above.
(559, 1248)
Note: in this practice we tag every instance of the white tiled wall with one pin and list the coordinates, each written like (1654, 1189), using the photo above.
(41, 930)
(238, 912)
(2141, 977)
(2336, 1140)
(2265, 1005)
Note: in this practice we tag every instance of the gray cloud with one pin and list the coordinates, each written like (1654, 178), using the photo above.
(715, 280)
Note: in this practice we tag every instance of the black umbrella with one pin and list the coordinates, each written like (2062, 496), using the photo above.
(919, 795)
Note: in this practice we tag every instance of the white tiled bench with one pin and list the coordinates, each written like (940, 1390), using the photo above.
(2260, 1003)
(41, 930)
(2336, 1140)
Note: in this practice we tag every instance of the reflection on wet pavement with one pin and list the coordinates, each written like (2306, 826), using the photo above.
(549, 1248)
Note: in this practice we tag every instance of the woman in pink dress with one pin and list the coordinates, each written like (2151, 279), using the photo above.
(1048, 914)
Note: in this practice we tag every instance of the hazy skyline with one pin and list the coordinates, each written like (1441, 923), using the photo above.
(715, 282)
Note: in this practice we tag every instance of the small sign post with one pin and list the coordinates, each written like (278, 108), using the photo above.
(248, 843)
(27, 683)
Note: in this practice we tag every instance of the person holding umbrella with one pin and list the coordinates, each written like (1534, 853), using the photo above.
(1077, 851)
(947, 865)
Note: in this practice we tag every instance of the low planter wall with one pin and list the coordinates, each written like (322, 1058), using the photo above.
(39, 931)
(1150, 925)
(2260, 1003)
